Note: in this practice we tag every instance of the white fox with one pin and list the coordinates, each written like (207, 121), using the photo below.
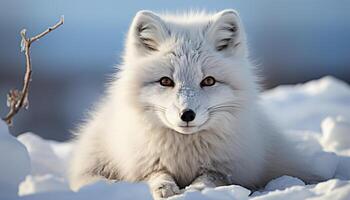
(183, 111)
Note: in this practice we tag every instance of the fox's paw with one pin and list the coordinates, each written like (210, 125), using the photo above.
(165, 190)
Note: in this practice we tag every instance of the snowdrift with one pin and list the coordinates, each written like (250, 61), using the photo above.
(315, 115)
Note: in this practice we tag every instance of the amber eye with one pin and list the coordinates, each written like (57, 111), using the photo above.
(166, 82)
(208, 81)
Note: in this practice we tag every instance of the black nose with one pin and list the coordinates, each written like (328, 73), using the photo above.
(188, 115)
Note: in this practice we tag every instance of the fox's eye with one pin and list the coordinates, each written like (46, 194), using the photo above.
(208, 81)
(166, 82)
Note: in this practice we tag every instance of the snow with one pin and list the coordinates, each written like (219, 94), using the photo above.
(336, 135)
(99, 191)
(282, 183)
(305, 106)
(315, 116)
(49, 160)
(14, 163)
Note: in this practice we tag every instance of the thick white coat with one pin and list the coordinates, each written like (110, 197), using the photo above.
(136, 129)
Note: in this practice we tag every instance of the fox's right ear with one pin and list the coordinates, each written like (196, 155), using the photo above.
(146, 33)
(226, 33)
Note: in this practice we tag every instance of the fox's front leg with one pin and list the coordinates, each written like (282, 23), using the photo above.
(162, 185)
(208, 179)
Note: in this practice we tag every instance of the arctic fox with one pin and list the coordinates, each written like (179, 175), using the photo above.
(183, 111)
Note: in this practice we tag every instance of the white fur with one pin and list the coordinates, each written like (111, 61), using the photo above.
(136, 134)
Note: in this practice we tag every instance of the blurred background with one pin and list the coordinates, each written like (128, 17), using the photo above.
(292, 41)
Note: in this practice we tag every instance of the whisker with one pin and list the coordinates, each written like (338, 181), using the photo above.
(229, 107)
(154, 107)
(216, 113)
(225, 105)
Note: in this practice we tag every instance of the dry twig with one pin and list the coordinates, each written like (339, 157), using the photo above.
(18, 99)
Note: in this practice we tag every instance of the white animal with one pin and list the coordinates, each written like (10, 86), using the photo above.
(183, 110)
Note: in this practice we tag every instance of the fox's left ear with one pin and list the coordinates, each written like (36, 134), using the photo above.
(146, 33)
(225, 32)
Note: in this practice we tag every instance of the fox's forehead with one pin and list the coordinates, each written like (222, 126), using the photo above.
(189, 59)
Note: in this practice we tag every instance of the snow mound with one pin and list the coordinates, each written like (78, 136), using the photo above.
(14, 163)
(336, 134)
(43, 158)
(49, 161)
(332, 189)
(304, 106)
(231, 192)
(98, 191)
(282, 183)
(315, 116)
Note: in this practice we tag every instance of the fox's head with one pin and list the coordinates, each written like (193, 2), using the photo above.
(190, 72)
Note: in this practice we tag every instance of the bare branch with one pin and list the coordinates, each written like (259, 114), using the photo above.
(18, 99)
(33, 39)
